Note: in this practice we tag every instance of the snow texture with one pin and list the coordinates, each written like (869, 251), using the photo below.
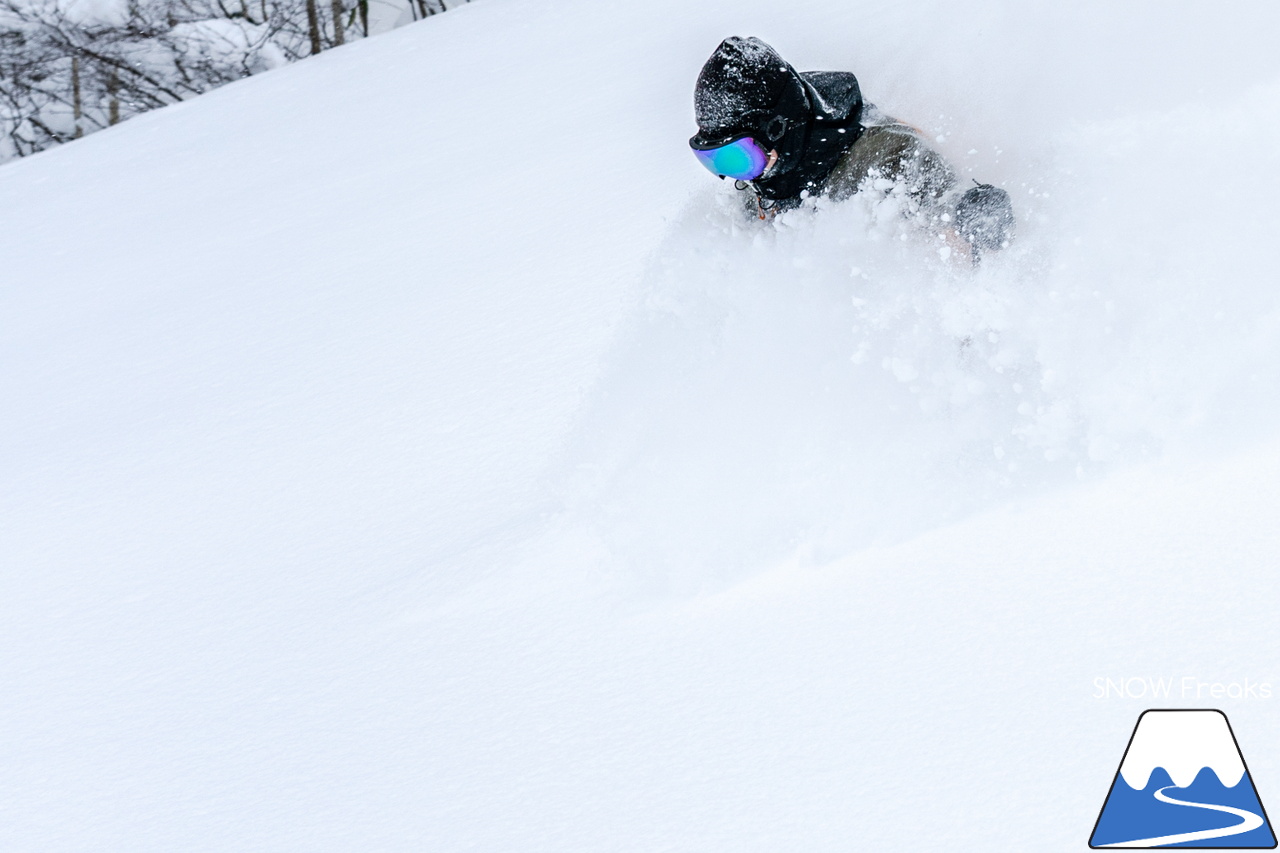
(365, 488)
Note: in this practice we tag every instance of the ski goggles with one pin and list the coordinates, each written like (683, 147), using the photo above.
(743, 159)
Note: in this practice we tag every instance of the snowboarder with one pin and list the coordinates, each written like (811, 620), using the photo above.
(785, 136)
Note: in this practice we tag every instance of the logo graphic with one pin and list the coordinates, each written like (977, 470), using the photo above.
(1183, 783)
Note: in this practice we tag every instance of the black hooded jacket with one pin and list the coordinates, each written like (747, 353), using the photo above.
(811, 118)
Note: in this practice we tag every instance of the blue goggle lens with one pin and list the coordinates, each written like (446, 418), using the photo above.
(743, 159)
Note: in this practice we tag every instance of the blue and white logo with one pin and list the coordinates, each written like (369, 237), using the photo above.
(1183, 783)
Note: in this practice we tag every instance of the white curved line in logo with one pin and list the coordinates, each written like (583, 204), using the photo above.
(1249, 821)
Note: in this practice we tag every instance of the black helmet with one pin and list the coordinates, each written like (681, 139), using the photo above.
(747, 89)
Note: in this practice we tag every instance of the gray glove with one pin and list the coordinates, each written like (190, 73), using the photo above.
(984, 218)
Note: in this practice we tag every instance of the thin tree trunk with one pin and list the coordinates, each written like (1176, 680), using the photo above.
(363, 6)
(313, 26)
(339, 37)
(75, 95)
(113, 106)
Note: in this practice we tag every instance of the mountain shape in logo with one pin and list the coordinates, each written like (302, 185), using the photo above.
(1183, 783)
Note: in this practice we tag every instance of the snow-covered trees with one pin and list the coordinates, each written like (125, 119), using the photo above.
(70, 67)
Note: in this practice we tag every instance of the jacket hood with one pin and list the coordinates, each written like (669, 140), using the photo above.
(743, 88)
(747, 89)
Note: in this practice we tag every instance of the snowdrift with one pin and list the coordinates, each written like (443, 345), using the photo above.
(410, 448)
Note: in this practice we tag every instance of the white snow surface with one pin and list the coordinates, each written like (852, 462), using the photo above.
(1183, 743)
(410, 449)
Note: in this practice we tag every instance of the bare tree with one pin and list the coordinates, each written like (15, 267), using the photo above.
(313, 27)
(339, 37)
(77, 105)
(62, 76)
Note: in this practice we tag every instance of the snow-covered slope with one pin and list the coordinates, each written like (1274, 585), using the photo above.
(408, 449)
